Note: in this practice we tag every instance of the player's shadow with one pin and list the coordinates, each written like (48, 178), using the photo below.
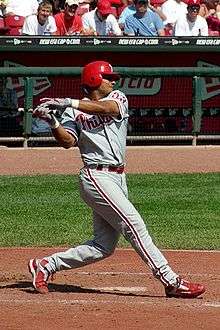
(69, 288)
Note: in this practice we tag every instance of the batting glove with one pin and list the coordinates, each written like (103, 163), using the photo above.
(56, 104)
(46, 115)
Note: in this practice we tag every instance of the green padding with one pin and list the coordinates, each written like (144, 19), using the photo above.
(125, 71)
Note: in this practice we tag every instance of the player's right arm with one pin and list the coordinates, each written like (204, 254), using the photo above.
(66, 138)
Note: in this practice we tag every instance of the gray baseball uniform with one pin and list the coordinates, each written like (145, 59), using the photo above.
(102, 143)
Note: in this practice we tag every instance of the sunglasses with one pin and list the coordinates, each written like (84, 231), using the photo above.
(194, 8)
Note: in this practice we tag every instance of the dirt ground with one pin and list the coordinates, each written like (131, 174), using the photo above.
(118, 292)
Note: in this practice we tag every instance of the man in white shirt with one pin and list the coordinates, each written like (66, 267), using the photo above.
(173, 9)
(101, 21)
(21, 7)
(42, 23)
(191, 24)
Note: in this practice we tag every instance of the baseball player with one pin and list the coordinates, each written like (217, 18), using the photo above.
(98, 125)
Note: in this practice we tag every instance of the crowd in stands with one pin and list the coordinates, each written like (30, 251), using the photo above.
(110, 17)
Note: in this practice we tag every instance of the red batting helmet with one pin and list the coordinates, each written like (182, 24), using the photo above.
(94, 72)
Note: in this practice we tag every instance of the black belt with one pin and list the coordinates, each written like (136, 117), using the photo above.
(110, 168)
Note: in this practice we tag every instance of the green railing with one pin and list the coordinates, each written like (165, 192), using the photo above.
(193, 72)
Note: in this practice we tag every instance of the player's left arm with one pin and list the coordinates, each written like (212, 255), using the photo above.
(105, 108)
(115, 105)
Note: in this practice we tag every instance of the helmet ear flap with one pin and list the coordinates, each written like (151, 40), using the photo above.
(95, 80)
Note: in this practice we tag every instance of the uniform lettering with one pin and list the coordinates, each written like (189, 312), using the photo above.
(90, 123)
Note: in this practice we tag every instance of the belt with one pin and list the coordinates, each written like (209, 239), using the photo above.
(110, 168)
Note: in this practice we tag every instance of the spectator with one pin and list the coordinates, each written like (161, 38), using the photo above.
(21, 7)
(92, 4)
(144, 22)
(128, 10)
(56, 6)
(118, 6)
(158, 11)
(3, 4)
(42, 23)
(191, 24)
(68, 23)
(83, 7)
(8, 96)
(173, 9)
(101, 21)
(210, 10)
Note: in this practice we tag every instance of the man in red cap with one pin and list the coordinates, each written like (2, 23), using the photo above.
(101, 21)
(191, 24)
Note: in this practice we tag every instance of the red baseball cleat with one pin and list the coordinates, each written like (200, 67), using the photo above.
(184, 289)
(39, 274)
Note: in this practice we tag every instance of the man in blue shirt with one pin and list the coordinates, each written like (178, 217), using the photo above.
(144, 22)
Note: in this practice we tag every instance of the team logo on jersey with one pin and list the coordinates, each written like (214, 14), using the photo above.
(89, 123)
(210, 86)
(40, 84)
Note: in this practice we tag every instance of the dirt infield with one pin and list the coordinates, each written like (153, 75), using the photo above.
(116, 293)
(119, 292)
(139, 160)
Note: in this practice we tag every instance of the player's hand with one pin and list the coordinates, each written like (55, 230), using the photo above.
(42, 113)
(46, 115)
(55, 104)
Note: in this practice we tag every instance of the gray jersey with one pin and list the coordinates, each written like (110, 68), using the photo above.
(101, 139)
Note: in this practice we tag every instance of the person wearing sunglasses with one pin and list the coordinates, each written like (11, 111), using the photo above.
(191, 24)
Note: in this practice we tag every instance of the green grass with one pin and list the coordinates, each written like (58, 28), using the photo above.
(181, 211)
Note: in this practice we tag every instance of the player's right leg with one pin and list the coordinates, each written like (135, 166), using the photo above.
(103, 245)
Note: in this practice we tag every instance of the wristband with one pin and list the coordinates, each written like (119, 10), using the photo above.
(75, 103)
(54, 123)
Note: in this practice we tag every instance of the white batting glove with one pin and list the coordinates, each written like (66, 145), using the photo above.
(46, 115)
(56, 104)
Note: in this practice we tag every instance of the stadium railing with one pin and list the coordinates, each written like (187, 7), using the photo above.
(195, 73)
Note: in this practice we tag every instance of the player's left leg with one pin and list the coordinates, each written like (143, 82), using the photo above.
(106, 193)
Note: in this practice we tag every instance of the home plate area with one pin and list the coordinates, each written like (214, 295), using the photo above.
(116, 293)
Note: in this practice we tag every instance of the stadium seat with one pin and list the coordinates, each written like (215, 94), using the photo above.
(14, 23)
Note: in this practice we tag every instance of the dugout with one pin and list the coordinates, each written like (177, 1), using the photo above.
(159, 106)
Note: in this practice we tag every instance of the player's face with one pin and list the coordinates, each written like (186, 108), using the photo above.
(106, 86)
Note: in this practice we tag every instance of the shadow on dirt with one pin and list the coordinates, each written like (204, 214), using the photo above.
(27, 287)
